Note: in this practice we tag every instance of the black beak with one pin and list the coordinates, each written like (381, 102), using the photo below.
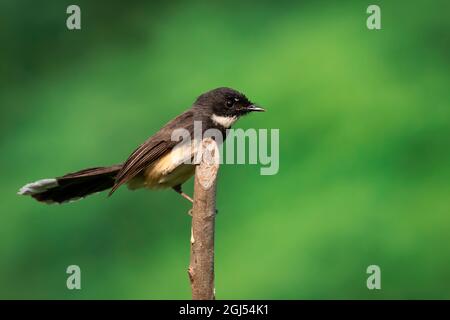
(252, 107)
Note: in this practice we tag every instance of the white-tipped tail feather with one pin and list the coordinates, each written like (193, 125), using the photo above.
(38, 187)
(72, 186)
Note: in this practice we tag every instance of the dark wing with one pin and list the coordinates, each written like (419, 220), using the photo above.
(152, 149)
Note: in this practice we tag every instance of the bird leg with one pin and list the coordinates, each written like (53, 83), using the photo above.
(184, 195)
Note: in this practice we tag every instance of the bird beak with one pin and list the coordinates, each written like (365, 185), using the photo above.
(252, 107)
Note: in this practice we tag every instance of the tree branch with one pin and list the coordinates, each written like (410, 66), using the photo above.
(201, 268)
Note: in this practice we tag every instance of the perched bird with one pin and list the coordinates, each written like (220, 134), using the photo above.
(154, 164)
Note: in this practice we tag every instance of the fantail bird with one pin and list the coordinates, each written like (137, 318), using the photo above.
(154, 163)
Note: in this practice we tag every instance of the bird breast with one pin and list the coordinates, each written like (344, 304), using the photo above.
(172, 169)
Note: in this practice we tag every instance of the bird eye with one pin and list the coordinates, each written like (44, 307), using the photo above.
(230, 103)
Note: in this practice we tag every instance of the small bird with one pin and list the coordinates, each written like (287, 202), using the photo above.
(156, 163)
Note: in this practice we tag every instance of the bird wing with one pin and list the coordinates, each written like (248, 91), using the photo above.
(152, 149)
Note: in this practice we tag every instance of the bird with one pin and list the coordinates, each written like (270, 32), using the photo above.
(156, 163)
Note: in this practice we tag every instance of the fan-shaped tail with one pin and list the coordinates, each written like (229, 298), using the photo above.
(72, 186)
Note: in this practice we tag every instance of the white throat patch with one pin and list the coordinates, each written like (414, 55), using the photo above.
(225, 122)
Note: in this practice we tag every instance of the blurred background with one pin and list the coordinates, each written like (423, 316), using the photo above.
(364, 147)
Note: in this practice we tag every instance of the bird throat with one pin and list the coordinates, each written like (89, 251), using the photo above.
(225, 122)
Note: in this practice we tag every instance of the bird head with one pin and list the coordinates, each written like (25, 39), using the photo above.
(226, 105)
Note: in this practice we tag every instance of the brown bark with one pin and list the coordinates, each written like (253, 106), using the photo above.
(201, 268)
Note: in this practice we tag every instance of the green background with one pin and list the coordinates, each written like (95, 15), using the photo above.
(364, 147)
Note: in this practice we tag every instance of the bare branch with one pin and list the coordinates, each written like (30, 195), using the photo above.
(201, 269)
